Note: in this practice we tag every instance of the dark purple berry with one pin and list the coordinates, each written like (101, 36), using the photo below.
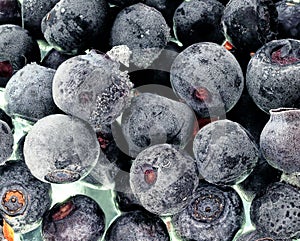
(208, 78)
(6, 141)
(10, 12)
(54, 59)
(163, 179)
(76, 219)
(276, 211)
(214, 213)
(273, 75)
(23, 198)
(137, 226)
(199, 21)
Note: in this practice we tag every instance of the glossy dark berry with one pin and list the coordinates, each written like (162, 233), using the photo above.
(29, 93)
(199, 21)
(73, 25)
(10, 12)
(144, 30)
(288, 19)
(61, 149)
(137, 226)
(249, 24)
(273, 75)
(76, 219)
(208, 78)
(92, 87)
(33, 11)
(17, 48)
(6, 141)
(152, 119)
(214, 213)
(24, 199)
(54, 59)
(258, 236)
(276, 211)
(163, 179)
(225, 152)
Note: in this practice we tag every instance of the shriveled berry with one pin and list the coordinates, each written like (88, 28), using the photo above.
(137, 226)
(76, 219)
(214, 213)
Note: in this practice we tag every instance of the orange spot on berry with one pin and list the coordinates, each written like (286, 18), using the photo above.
(150, 176)
(8, 232)
(228, 45)
(63, 211)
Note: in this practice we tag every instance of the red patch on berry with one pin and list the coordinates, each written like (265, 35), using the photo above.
(102, 141)
(6, 69)
(150, 176)
(63, 211)
(202, 94)
(279, 59)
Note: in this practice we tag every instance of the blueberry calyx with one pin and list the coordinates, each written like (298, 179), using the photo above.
(207, 208)
(14, 202)
(150, 176)
(62, 176)
(63, 211)
(279, 57)
(6, 69)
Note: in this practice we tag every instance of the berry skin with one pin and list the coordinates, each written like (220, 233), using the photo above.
(276, 211)
(29, 93)
(76, 219)
(214, 213)
(61, 149)
(137, 226)
(144, 30)
(273, 75)
(24, 199)
(208, 78)
(152, 119)
(199, 21)
(92, 87)
(163, 179)
(225, 152)
(75, 25)
(10, 12)
(6, 141)
(257, 236)
(54, 59)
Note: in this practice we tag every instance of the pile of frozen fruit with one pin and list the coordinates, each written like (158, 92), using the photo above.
(184, 110)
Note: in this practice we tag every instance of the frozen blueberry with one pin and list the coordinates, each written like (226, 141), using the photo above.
(273, 75)
(54, 59)
(199, 21)
(163, 179)
(225, 152)
(144, 30)
(137, 226)
(6, 141)
(257, 236)
(276, 211)
(92, 87)
(214, 213)
(7, 119)
(33, 11)
(76, 219)
(152, 119)
(17, 48)
(288, 19)
(208, 78)
(24, 199)
(249, 24)
(20, 148)
(61, 149)
(10, 12)
(75, 25)
(28, 93)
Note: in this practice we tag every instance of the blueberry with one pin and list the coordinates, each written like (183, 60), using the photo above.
(61, 149)
(199, 21)
(137, 226)
(17, 48)
(91, 87)
(208, 78)
(276, 211)
(250, 24)
(6, 141)
(163, 179)
(7, 119)
(152, 119)
(28, 93)
(24, 199)
(144, 30)
(33, 11)
(288, 19)
(77, 218)
(54, 59)
(273, 75)
(10, 12)
(257, 236)
(225, 152)
(73, 25)
(214, 213)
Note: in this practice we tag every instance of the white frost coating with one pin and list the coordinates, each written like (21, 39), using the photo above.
(120, 53)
